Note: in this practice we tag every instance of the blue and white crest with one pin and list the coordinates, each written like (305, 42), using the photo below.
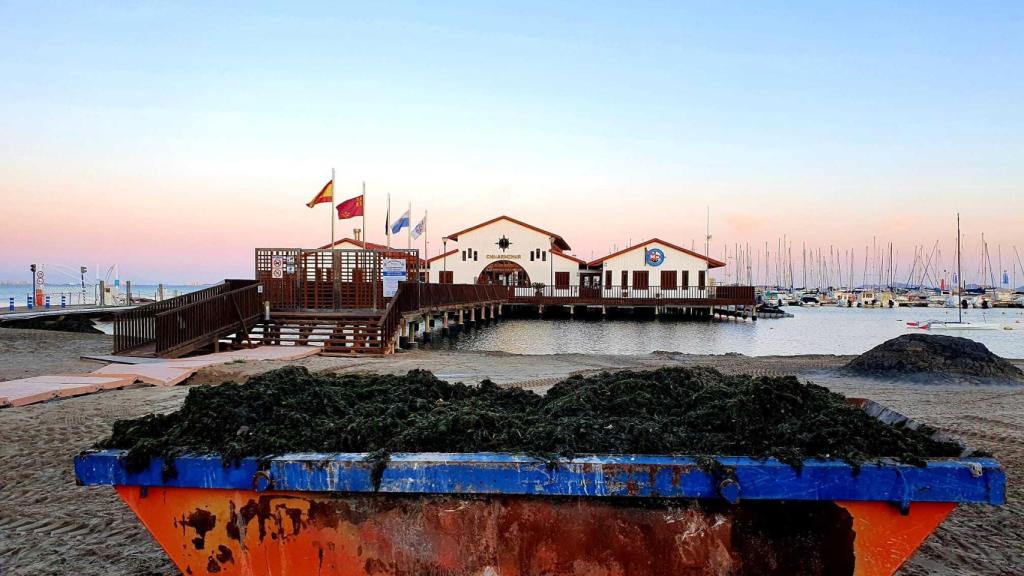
(654, 257)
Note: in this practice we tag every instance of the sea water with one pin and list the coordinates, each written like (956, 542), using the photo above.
(825, 330)
(74, 295)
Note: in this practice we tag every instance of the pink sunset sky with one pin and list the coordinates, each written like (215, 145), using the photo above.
(172, 141)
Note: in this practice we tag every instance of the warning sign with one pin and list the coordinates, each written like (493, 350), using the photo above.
(277, 267)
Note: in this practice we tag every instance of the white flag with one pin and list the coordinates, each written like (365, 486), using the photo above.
(419, 227)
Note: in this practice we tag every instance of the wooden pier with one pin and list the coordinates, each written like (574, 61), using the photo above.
(338, 299)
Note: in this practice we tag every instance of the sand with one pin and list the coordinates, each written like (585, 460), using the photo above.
(50, 526)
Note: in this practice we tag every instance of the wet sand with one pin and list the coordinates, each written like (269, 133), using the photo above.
(50, 526)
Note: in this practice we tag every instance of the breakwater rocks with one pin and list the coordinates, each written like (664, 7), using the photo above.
(688, 411)
(934, 355)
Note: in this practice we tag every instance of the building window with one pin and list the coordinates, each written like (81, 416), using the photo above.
(561, 279)
(463, 255)
(608, 278)
(702, 278)
(544, 256)
(475, 255)
(686, 278)
(668, 279)
(445, 276)
(640, 279)
(625, 279)
(532, 254)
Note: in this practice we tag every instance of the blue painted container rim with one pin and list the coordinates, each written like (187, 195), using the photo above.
(965, 480)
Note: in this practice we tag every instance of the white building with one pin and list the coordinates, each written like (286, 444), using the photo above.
(653, 264)
(510, 252)
(505, 251)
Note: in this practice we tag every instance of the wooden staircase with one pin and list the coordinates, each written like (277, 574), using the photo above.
(339, 332)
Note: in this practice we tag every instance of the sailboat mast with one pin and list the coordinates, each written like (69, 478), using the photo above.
(959, 278)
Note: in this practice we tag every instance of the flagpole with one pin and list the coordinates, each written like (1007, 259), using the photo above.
(387, 221)
(332, 208)
(364, 214)
(408, 229)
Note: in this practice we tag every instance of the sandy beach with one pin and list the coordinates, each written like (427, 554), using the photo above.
(50, 526)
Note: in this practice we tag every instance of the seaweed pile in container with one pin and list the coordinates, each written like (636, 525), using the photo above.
(682, 411)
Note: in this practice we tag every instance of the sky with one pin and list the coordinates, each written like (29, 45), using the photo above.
(173, 138)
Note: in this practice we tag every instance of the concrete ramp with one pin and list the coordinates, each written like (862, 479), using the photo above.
(154, 373)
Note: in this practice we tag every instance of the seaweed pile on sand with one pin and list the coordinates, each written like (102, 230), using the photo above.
(934, 355)
(686, 411)
(62, 323)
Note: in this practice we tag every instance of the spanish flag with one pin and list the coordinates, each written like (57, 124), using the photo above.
(326, 194)
(351, 208)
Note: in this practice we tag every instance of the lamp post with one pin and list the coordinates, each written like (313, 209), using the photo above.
(444, 255)
(551, 264)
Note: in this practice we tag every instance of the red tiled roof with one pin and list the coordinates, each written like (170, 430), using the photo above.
(367, 246)
(558, 241)
(557, 252)
(712, 263)
(440, 256)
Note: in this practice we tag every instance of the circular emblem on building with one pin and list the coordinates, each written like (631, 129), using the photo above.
(655, 257)
(503, 243)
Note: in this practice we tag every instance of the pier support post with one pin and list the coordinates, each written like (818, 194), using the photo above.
(128, 292)
(159, 292)
(102, 296)
(540, 310)
(403, 333)
(428, 320)
(472, 316)
(445, 332)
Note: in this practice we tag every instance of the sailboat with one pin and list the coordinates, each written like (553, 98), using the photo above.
(959, 324)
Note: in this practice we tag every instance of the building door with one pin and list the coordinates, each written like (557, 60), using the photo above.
(590, 284)
(640, 279)
(668, 279)
(562, 283)
(702, 279)
(504, 273)
(446, 277)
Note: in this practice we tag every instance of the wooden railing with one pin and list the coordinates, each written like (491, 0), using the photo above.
(136, 328)
(585, 294)
(415, 296)
(182, 329)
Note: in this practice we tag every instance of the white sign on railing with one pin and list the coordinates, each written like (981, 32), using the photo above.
(393, 272)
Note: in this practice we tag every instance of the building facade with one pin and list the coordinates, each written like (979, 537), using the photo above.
(654, 264)
(508, 252)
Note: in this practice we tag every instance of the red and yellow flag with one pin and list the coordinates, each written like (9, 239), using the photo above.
(326, 194)
(351, 208)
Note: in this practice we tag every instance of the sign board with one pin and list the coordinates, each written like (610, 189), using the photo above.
(277, 267)
(393, 271)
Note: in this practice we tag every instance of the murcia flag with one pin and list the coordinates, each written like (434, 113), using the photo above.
(418, 230)
(351, 208)
(326, 194)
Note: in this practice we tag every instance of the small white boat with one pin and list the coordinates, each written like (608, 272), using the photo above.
(952, 325)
